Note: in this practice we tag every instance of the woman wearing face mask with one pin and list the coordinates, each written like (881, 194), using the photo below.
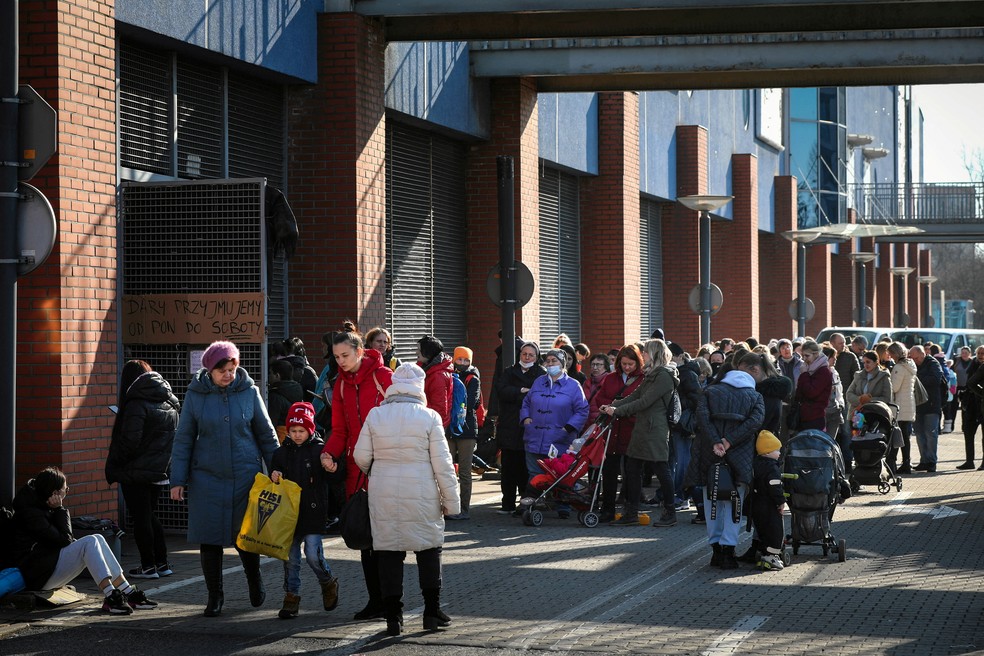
(617, 385)
(463, 446)
(553, 413)
(438, 366)
(512, 387)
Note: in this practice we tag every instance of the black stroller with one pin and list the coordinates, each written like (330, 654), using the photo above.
(813, 477)
(876, 433)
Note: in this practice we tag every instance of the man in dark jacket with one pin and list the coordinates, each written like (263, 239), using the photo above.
(284, 392)
(971, 406)
(511, 388)
(927, 424)
(729, 416)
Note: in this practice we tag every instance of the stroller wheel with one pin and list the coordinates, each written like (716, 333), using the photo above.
(536, 517)
(826, 549)
(796, 547)
(528, 518)
(590, 519)
(580, 517)
(842, 551)
(786, 558)
(884, 487)
(898, 484)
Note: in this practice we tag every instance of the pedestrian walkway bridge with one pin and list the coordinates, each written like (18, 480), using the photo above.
(945, 211)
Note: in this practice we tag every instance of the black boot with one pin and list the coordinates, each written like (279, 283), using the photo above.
(393, 609)
(716, 556)
(728, 560)
(211, 558)
(251, 565)
(370, 572)
(434, 617)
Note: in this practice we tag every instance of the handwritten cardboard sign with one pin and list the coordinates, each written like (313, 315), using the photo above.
(192, 318)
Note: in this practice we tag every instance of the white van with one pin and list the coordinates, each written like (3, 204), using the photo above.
(872, 334)
(950, 340)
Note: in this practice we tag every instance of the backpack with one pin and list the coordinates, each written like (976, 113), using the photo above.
(480, 410)
(459, 406)
(674, 410)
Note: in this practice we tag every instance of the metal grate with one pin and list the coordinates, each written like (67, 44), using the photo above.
(192, 237)
(560, 256)
(200, 139)
(257, 130)
(426, 273)
(651, 267)
(145, 109)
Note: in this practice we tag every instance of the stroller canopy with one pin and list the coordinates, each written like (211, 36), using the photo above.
(879, 409)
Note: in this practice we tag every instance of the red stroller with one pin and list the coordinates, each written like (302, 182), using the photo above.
(566, 486)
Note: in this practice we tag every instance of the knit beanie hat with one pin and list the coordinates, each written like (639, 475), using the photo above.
(217, 352)
(559, 354)
(430, 346)
(463, 352)
(301, 414)
(675, 349)
(767, 443)
(532, 345)
(408, 375)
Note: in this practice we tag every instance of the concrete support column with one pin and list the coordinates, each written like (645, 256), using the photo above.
(738, 277)
(818, 287)
(777, 265)
(610, 228)
(885, 286)
(914, 293)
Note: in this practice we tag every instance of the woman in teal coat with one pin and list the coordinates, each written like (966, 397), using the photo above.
(224, 437)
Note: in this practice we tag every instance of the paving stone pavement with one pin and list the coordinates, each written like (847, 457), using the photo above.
(911, 584)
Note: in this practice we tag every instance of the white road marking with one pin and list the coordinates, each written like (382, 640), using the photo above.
(728, 643)
(936, 512)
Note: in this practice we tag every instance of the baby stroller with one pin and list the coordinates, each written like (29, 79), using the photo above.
(814, 482)
(564, 485)
(875, 433)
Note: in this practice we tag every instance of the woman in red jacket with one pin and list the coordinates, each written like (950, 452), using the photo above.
(360, 387)
(439, 367)
(813, 388)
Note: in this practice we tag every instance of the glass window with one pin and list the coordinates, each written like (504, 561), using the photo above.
(829, 157)
(828, 102)
(803, 104)
(803, 152)
(806, 208)
(829, 207)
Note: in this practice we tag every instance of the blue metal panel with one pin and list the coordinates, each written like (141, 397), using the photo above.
(872, 110)
(279, 35)
(568, 128)
(431, 81)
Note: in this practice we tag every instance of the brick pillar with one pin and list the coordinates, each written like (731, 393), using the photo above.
(514, 132)
(885, 286)
(738, 277)
(914, 301)
(818, 283)
(610, 226)
(844, 287)
(67, 330)
(681, 245)
(867, 245)
(337, 135)
(777, 265)
(926, 269)
(901, 260)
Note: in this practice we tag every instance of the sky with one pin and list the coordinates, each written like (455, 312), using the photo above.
(952, 126)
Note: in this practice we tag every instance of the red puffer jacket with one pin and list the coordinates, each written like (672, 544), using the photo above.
(437, 386)
(354, 395)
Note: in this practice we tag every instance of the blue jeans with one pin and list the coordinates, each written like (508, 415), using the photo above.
(533, 468)
(314, 555)
(681, 459)
(927, 430)
(723, 529)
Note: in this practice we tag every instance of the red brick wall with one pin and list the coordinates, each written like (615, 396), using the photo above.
(926, 269)
(735, 256)
(818, 268)
(885, 287)
(914, 300)
(66, 352)
(610, 249)
(515, 133)
(843, 290)
(337, 151)
(681, 246)
(777, 266)
(871, 290)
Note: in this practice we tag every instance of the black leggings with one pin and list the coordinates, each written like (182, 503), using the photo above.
(513, 476)
(633, 483)
(391, 570)
(141, 499)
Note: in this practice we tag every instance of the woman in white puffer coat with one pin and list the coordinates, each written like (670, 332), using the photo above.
(412, 487)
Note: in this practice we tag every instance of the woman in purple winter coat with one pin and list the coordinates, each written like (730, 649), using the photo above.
(553, 413)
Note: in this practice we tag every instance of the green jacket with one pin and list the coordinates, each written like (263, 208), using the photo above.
(651, 435)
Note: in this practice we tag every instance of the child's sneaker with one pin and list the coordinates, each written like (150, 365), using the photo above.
(771, 562)
(164, 569)
(143, 573)
(137, 600)
(115, 604)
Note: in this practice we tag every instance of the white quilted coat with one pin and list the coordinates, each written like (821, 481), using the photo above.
(412, 475)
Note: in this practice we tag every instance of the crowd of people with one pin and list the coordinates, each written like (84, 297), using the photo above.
(413, 429)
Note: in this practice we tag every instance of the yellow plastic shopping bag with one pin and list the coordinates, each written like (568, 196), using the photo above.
(271, 516)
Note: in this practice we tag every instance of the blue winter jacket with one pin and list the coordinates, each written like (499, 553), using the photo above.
(224, 437)
(558, 410)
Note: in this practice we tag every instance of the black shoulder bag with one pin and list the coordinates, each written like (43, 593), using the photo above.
(353, 520)
(721, 487)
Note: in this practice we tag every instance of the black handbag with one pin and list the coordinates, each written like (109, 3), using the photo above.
(721, 487)
(793, 416)
(353, 520)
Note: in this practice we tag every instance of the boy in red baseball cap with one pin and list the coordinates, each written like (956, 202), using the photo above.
(298, 460)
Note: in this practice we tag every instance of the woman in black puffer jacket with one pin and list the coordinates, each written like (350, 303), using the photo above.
(140, 459)
(511, 388)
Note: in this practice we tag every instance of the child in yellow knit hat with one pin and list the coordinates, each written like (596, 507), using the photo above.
(768, 500)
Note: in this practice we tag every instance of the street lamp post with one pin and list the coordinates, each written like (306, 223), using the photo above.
(803, 238)
(705, 205)
(900, 272)
(861, 258)
(927, 281)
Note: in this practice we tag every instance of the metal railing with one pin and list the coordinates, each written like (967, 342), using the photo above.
(923, 203)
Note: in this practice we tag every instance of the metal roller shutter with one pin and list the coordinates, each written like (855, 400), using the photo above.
(426, 272)
(145, 109)
(201, 142)
(651, 267)
(560, 256)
